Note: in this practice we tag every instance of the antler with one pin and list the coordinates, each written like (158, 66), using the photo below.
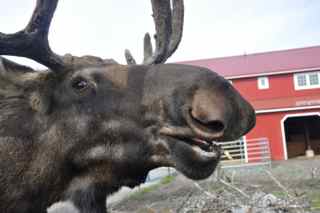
(169, 26)
(32, 41)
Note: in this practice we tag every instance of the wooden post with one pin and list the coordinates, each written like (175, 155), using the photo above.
(306, 135)
(309, 152)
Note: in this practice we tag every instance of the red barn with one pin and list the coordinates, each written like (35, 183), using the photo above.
(284, 88)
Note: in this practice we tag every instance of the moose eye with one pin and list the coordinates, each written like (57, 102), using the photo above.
(80, 84)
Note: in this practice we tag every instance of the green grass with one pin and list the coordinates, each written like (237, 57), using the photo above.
(164, 181)
(315, 202)
(167, 179)
(279, 194)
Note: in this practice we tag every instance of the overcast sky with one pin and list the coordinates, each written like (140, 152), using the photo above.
(213, 28)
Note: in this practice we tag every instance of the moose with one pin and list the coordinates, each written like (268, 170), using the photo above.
(87, 126)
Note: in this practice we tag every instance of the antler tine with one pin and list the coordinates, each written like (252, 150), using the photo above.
(129, 57)
(147, 48)
(162, 19)
(169, 26)
(177, 26)
(32, 41)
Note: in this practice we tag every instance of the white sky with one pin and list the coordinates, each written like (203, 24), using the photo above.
(213, 28)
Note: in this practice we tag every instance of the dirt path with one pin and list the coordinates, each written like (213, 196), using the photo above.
(290, 183)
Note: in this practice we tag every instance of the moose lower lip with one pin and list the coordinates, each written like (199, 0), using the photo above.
(201, 143)
(201, 147)
(204, 149)
(210, 154)
(206, 146)
(195, 158)
(200, 150)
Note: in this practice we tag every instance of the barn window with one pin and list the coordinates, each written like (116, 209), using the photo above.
(308, 80)
(314, 79)
(263, 83)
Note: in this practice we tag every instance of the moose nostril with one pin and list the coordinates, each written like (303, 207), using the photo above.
(208, 112)
(216, 125)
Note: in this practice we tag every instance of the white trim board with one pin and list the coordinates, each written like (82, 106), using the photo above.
(286, 109)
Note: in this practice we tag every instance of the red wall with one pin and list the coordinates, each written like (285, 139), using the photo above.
(269, 125)
(279, 86)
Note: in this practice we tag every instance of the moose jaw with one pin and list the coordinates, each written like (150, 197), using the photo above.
(86, 126)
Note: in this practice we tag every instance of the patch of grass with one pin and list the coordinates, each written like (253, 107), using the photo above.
(279, 194)
(149, 188)
(167, 179)
(315, 202)
(164, 181)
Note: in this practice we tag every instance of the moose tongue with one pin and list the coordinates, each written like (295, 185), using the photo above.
(205, 145)
(205, 148)
(199, 141)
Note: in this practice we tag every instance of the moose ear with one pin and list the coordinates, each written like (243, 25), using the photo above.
(16, 74)
(15, 79)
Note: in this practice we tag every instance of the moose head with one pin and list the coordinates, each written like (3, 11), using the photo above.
(87, 126)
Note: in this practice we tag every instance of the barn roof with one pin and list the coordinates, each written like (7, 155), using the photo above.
(266, 63)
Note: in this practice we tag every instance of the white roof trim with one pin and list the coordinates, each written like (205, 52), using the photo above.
(272, 73)
(286, 109)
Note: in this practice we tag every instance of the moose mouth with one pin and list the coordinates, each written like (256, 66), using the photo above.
(194, 149)
(194, 157)
(204, 149)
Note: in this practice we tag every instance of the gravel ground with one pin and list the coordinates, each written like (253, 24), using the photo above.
(286, 186)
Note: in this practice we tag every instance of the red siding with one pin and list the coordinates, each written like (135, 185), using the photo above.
(269, 125)
(280, 86)
(281, 92)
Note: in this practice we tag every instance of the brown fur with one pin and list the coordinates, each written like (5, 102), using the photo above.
(61, 143)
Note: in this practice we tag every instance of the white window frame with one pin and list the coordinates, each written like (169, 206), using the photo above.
(308, 85)
(264, 79)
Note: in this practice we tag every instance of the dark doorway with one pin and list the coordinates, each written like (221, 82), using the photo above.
(302, 133)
